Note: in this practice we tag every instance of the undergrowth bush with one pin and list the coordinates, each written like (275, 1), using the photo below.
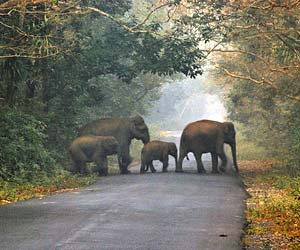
(291, 160)
(23, 156)
(249, 150)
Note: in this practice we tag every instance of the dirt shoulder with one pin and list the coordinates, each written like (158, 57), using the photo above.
(273, 209)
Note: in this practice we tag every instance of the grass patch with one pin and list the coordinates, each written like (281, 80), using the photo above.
(18, 191)
(273, 211)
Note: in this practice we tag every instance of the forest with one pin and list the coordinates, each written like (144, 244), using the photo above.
(66, 62)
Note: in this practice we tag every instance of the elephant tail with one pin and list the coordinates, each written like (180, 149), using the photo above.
(183, 146)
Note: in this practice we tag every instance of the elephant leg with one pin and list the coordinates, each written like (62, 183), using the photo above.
(124, 166)
(143, 168)
(214, 159)
(224, 161)
(180, 160)
(76, 167)
(165, 164)
(200, 167)
(153, 170)
(79, 163)
(101, 164)
(124, 161)
(82, 168)
(103, 170)
(221, 154)
(179, 165)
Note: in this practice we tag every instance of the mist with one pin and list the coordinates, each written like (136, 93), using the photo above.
(185, 101)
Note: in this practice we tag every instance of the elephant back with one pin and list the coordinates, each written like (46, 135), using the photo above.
(202, 127)
(104, 127)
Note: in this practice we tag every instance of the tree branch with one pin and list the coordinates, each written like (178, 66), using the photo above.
(121, 24)
(149, 15)
(282, 69)
(257, 82)
(133, 29)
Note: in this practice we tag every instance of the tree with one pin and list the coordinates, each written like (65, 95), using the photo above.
(260, 61)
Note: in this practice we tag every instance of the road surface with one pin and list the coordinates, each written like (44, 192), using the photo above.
(169, 211)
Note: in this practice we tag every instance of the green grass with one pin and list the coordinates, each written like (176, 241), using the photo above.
(19, 190)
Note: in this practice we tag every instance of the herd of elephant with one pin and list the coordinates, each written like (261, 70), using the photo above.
(109, 136)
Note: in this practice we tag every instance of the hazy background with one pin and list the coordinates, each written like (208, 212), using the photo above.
(184, 101)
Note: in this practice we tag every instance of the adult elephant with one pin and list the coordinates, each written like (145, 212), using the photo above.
(124, 130)
(206, 136)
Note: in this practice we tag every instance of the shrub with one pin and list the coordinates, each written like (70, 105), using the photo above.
(23, 155)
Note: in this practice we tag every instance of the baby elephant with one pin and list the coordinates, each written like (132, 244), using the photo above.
(157, 150)
(92, 149)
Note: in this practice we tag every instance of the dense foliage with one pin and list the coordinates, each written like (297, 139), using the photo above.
(22, 154)
(260, 63)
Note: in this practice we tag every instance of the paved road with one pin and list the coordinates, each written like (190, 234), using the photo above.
(168, 211)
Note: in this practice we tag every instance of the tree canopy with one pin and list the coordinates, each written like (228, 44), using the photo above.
(260, 62)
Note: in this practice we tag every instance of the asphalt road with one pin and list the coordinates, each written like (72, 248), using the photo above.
(169, 211)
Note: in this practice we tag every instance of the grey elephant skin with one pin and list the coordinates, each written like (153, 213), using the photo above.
(206, 136)
(92, 149)
(157, 150)
(124, 130)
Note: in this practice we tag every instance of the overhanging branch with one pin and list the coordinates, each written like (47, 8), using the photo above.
(260, 82)
(133, 29)
(282, 69)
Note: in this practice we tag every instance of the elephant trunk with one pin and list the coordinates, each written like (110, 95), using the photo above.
(146, 138)
(233, 150)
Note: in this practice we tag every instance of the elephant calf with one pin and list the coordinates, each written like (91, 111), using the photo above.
(92, 149)
(157, 150)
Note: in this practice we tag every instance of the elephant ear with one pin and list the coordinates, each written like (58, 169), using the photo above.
(228, 127)
(139, 129)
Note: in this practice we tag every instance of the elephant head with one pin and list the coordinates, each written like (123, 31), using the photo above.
(229, 138)
(139, 129)
(172, 150)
